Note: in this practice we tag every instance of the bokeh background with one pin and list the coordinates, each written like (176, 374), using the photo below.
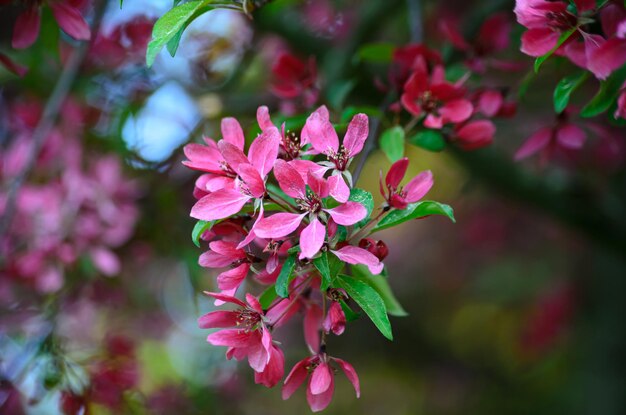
(517, 308)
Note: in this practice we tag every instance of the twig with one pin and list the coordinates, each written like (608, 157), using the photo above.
(415, 21)
(48, 118)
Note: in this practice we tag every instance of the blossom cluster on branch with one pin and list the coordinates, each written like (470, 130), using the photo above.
(287, 215)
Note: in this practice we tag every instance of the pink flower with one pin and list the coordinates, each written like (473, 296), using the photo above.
(66, 13)
(310, 202)
(335, 320)
(227, 254)
(321, 384)
(562, 135)
(251, 171)
(440, 101)
(546, 21)
(399, 197)
(320, 132)
(406, 59)
(493, 37)
(377, 248)
(295, 79)
(246, 335)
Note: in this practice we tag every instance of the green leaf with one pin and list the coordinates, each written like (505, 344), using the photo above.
(368, 299)
(565, 87)
(564, 36)
(381, 285)
(392, 143)
(201, 227)
(321, 263)
(171, 25)
(606, 95)
(335, 265)
(430, 140)
(414, 211)
(376, 52)
(268, 296)
(285, 276)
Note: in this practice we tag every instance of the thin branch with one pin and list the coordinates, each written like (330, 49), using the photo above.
(415, 21)
(48, 118)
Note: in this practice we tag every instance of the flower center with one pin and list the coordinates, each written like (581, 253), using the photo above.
(561, 21)
(248, 319)
(291, 144)
(228, 171)
(428, 102)
(312, 203)
(339, 158)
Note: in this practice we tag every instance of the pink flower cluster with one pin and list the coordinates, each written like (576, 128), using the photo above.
(548, 22)
(75, 207)
(440, 104)
(286, 209)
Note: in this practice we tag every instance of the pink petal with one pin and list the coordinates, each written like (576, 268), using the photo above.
(396, 173)
(312, 325)
(538, 42)
(304, 166)
(312, 238)
(536, 142)
(433, 121)
(232, 279)
(232, 132)
(274, 371)
(263, 118)
(320, 379)
(212, 259)
(355, 255)
(322, 112)
(105, 261)
(350, 374)
(319, 402)
(335, 319)
(252, 179)
(218, 319)
(494, 33)
(264, 150)
(202, 158)
(226, 298)
(476, 134)
(322, 134)
(295, 378)
(457, 110)
(232, 154)
(418, 186)
(409, 102)
(227, 249)
(570, 136)
(355, 137)
(258, 356)
(231, 338)
(280, 313)
(254, 303)
(609, 56)
(219, 205)
(71, 21)
(278, 225)
(26, 28)
(289, 180)
(338, 188)
(490, 102)
(348, 213)
(318, 185)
